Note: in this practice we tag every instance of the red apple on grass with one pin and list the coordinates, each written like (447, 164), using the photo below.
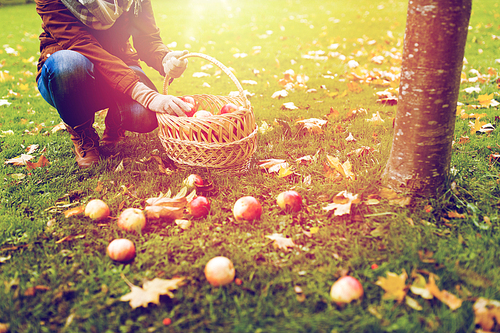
(247, 209)
(219, 271)
(228, 108)
(192, 180)
(345, 290)
(97, 210)
(199, 207)
(289, 201)
(121, 249)
(132, 219)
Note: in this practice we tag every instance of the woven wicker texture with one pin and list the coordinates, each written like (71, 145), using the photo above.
(220, 143)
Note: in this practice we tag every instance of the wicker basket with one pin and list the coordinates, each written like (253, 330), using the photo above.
(220, 143)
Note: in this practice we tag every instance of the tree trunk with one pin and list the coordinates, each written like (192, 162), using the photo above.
(433, 52)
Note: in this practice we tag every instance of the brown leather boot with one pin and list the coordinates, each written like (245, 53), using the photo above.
(113, 132)
(86, 141)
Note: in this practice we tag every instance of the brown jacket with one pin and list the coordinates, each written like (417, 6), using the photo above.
(109, 50)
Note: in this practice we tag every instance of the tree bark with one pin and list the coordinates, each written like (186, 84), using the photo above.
(433, 52)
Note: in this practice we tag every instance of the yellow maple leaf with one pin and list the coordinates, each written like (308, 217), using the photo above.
(487, 100)
(150, 291)
(285, 172)
(345, 169)
(394, 286)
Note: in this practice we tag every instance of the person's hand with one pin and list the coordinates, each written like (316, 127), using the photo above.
(172, 66)
(157, 102)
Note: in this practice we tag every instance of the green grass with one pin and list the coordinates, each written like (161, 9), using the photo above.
(84, 285)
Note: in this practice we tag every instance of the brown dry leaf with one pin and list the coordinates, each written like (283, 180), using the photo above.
(487, 314)
(394, 286)
(163, 212)
(74, 211)
(455, 215)
(42, 161)
(463, 140)
(273, 165)
(394, 198)
(333, 114)
(444, 296)
(19, 160)
(342, 203)
(281, 243)
(58, 127)
(312, 125)
(364, 150)
(167, 202)
(151, 291)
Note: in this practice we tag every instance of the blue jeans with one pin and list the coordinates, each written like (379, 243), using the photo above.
(70, 83)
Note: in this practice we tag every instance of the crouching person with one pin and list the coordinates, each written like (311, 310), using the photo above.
(87, 64)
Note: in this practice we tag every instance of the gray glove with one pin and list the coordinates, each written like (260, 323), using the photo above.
(157, 102)
(172, 66)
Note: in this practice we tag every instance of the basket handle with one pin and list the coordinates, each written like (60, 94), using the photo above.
(168, 80)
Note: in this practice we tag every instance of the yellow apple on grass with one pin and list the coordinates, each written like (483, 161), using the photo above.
(219, 271)
(132, 219)
(97, 210)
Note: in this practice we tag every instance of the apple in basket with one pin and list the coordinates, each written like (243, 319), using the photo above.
(192, 103)
(202, 114)
(228, 108)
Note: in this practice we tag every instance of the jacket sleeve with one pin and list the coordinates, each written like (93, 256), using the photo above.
(146, 38)
(73, 35)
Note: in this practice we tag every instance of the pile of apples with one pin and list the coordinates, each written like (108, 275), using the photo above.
(194, 112)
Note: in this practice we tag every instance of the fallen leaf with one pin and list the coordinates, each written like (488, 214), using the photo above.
(345, 169)
(58, 127)
(166, 208)
(375, 119)
(280, 94)
(281, 242)
(394, 286)
(418, 287)
(42, 161)
(285, 172)
(74, 211)
(412, 303)
(288, 106)
(273, 165)
(312, 125)
(151, 291)
(342, 203)
(4, 259)
(19, 160)
(487, 314)
(444, 296)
